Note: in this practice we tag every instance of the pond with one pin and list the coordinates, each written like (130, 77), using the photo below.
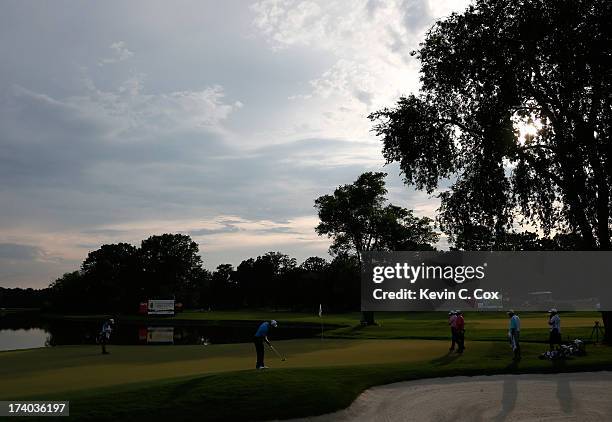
(23, 338)
(28, 330)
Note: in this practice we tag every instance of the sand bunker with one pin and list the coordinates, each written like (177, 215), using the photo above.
(553, 397)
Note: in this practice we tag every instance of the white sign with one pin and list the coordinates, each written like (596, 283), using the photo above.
(161, 307)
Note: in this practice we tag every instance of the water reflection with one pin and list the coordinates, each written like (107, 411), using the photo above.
(23, 339)
(21, 331)
(156, 335)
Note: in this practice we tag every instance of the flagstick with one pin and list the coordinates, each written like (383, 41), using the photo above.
(321, 317)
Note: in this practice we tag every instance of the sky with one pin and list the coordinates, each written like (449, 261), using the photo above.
(221, 120)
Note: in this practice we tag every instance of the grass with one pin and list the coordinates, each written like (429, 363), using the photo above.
(293, 390)
(218, 383)
(39, 371)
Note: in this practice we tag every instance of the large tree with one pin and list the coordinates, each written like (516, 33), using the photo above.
(358, 219)
(515, 110)
(171, 262)
(112, 274)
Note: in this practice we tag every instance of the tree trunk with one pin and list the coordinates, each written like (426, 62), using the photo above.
(367, 318)
(607, 322)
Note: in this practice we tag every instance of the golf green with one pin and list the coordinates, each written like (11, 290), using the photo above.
(69, 368)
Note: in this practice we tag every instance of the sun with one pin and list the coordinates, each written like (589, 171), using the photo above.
(527, 128)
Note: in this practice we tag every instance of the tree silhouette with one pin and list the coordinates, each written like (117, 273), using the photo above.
(356, 218)
(515, 110)
(170, 262)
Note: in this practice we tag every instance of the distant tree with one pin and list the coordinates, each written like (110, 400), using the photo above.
(500, 67)
(343, 275)
(247, 280)
(23, 298)
(195, 293)
(358, 219)
(274, 270)
(170, 263)
(314, 264)
(224, 288)
(112, 274)
(70, 293)
(264, 281)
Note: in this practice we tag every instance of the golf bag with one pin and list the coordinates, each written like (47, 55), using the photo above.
(574, 348)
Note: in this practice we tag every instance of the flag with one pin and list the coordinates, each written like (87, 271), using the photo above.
(320, 311)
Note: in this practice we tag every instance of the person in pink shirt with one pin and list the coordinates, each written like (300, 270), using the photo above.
(460, 330)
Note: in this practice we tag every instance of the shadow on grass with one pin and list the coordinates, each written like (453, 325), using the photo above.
(450, 357)
(513, 367)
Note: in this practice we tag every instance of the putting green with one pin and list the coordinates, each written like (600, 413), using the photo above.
(70, 368)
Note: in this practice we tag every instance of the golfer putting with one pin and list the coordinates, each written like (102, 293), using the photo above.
(261, 336)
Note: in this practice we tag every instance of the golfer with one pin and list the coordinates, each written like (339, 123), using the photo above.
(554, 323)
(460, 331)
(514, 332)
(261, 336)
(105, 333)
(452, 319)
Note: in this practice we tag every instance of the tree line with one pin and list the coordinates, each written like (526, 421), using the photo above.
(117, 277)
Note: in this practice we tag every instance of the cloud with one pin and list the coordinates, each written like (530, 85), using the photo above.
(120, 54)
(368, 43)
(171, 130)
(99, 167)
(16, 251)
(30, 265)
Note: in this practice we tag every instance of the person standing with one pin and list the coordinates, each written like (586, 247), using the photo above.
(261, 336)
(514, 334)
(452, 318)
(554, 323)
(460, 331)
(105, 334)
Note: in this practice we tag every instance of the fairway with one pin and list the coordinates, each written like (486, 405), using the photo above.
(69, 368)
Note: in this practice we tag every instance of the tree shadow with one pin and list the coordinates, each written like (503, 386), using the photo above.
(509, 396)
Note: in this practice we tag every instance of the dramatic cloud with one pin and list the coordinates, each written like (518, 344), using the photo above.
(212, 119)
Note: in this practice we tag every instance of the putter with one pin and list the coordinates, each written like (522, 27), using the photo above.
(277, 354)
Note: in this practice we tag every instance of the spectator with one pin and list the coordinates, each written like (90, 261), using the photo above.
(460, 332)
(554, 322)
(514, 334)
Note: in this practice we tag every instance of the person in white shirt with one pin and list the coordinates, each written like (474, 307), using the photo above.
(105, 333)
(554, 323)
(514, 332)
